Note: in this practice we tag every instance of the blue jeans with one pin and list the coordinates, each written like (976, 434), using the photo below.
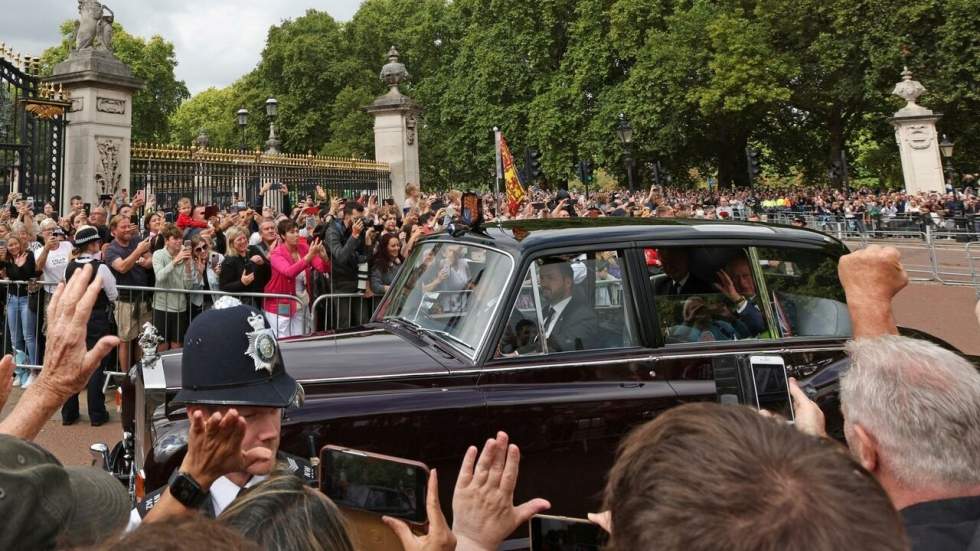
(22, 324)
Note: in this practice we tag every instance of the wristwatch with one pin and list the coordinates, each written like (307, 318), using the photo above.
(187, 491)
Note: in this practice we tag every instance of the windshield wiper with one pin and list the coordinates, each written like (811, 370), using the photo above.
(447, 335)
(407, 322)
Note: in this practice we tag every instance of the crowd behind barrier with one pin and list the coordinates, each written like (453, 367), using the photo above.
(341, 254)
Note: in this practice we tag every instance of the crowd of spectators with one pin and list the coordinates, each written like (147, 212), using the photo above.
(700, 476)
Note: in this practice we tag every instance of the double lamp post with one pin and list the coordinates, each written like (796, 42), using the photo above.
(273, 144)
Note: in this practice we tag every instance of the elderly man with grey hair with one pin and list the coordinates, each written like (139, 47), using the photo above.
(911, 411)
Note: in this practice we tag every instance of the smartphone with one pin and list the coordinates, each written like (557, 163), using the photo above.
(187, 244)
(374, 483)
(87, 208)
(3, 243)
(549, 533)
(140, 194)
(241, 205)
(213, 259)
(310, 222)
(771, 385)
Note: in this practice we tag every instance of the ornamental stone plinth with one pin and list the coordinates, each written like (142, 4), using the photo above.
(396, 129)
(918, 142)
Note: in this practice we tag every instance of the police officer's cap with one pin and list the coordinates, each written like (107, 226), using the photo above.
(231, 357)
(86, 234)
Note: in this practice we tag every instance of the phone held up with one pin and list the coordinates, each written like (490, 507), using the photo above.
(375, 483)
(757, 381)
(550, 532)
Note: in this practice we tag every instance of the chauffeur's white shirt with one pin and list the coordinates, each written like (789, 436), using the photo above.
(223, 492)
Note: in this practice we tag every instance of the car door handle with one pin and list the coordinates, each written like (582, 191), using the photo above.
(630, 385)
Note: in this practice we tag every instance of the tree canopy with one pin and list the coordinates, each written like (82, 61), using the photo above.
(805, 82)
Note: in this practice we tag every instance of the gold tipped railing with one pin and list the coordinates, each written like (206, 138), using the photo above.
(195, 153)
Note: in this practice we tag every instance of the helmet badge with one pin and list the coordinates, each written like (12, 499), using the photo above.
(262, 343)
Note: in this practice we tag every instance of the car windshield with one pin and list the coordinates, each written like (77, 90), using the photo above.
(451, 290)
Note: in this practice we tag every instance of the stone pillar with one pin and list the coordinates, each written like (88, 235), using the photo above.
(396, 129)
(918, 141)
(100, 122)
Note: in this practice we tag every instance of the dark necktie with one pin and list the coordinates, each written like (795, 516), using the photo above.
(547, 318)
(675, 288)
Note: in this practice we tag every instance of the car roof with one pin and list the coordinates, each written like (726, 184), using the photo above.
(523, 236)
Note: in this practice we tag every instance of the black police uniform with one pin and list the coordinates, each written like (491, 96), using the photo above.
(99, 325)
(231, 358)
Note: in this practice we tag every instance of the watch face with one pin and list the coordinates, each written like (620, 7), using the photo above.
(186, 490)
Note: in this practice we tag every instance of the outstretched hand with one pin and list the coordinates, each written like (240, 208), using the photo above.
(68, 365)
(726, 286)
(809, 418)
(214, 447)
(484, 513)
(439, 538)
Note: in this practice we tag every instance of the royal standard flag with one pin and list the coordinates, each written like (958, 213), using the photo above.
(512, 180)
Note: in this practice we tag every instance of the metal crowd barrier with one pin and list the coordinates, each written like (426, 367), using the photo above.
(138, 302)
(339, 311)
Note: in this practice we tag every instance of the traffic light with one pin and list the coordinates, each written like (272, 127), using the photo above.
(585, 171)
(752, 156)
(532, 164)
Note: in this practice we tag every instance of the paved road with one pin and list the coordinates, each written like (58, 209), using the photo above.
(944, 311)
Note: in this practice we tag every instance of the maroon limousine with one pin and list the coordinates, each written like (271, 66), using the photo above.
(470, 340)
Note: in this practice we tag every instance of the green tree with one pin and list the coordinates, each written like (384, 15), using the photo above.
(212, 111)
(153, 61)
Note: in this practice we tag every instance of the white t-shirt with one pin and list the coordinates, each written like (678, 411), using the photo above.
(54, 266)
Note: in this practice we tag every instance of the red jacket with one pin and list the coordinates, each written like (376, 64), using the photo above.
(184, 222)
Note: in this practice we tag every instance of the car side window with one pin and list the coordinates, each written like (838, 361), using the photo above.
(570, 302)
(706, 294)
(805, 293)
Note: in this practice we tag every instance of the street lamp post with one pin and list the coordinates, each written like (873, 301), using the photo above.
(625, 134)
(946, 148)
(242, 123)
(273, 143)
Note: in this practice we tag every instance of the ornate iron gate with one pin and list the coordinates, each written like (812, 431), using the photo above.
(223, 177)
(32, 131)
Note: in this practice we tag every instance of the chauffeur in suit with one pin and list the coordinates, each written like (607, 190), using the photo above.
(569, 322)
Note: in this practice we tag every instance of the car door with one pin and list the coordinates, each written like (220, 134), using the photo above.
(567, 400)
(805, 321)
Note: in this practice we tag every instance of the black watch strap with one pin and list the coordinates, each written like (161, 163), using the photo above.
(187, 491)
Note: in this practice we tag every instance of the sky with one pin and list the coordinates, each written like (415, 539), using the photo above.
(216, 41)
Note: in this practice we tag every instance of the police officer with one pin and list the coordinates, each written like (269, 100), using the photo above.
(235, 388)
(87, 245)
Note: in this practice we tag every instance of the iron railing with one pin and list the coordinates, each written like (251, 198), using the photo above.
(224, 177)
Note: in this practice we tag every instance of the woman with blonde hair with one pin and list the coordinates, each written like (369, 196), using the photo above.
(283, 513)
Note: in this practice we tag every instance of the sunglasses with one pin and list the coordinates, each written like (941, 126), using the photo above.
(202, 248)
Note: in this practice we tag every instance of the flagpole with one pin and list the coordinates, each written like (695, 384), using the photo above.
(500, 172)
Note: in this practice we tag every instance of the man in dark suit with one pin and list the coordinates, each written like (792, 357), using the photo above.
(569, 323)
(736, 283)
(679, 281)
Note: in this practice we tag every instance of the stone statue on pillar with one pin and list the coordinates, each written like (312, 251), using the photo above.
(915, 132)
(100, 88)
(396, 128)
(94, 26)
